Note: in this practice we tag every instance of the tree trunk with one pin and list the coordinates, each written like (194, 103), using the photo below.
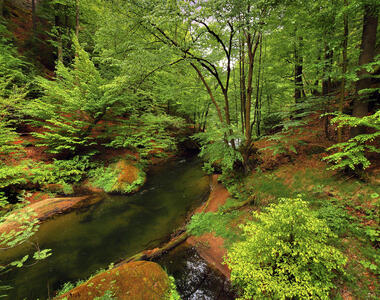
(252, 47)
(34, 19)
(298, 62)
(219, 112)
(243, 95)
(344, 68)
(58, 24)
(326, 85)
(1, 8)
(77, 18)
(251, 59)
(368, 44)
(258, 92)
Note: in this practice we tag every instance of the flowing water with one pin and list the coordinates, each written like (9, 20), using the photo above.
(194, 278)
(87, 240)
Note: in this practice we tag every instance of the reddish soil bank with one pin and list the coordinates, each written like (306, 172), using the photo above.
(210, 247)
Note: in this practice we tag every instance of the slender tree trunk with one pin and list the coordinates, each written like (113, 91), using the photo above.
(58, 24)
(251, 48)
(218, 110)
(368, 44)
(251, 59)
(258, 89)
(34, 19)
(205, 117)
(1, 8)
(243, 95)
(298, 62)
(344, 68)
(77, 18)
(326, 85)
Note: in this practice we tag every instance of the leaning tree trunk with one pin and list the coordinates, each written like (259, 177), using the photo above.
(368, 45)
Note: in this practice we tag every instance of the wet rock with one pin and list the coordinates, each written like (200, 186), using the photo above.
(137, 280)
(46, 209)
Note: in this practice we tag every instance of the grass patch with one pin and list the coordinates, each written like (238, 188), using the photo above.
(218, 222)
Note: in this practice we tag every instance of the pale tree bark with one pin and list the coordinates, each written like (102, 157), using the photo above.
(367, 53)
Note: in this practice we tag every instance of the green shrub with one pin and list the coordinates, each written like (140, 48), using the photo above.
(216, 152)
(285, 255)
(61, 171)
(336, 218)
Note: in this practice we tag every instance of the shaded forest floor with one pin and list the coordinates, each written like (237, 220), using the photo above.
(349, 205)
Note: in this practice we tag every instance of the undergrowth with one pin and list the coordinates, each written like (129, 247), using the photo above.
(217, 222)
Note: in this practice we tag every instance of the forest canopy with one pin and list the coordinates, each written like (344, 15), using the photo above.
(90, 89)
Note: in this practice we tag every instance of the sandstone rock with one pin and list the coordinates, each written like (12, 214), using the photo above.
(140, 280)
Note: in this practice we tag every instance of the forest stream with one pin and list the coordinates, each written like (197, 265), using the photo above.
(118, 227)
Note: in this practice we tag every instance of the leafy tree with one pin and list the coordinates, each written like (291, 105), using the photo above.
(72, 105)
(285, 255)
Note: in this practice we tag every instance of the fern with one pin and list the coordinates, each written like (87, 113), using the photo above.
(352, 154)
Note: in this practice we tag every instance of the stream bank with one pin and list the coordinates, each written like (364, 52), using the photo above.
(86, 240)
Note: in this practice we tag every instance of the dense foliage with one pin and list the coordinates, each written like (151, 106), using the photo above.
(285, 254)
(94, 91)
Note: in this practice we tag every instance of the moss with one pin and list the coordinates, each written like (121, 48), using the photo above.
(120, 177)
(138, 280)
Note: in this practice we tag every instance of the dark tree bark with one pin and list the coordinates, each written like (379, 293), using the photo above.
(367, 53)
(326, 85)
(58, 24)
(218, 110)
(257, 118)
(77, 18)
(34, 18)
(1, 8)
(243, 95)
(298, 62)
(344, 68)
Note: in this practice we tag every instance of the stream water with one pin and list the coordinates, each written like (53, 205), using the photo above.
(85, 241)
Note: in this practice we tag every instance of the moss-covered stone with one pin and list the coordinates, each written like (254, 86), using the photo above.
(124, 176)
(137, 280)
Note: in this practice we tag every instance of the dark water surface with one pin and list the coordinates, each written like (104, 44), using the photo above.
(83, 242)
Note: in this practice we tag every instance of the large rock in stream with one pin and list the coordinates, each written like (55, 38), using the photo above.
(140, 280)
(122, 177)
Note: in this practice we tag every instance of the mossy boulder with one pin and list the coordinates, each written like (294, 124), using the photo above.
(140, 280)
(124, 176)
